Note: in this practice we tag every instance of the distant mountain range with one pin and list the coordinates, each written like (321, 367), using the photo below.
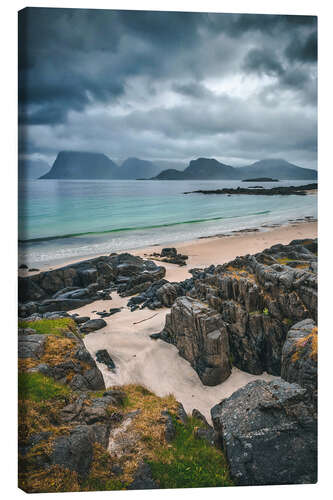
(206, 168)
(84, 165)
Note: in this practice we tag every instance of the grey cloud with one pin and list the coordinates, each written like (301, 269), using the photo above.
(263, 61)
(167, 85)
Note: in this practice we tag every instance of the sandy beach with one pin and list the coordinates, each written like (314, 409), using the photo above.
(156, 364)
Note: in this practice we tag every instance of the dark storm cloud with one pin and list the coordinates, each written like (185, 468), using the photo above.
(167, 85)
(303, 50)
(263, 61)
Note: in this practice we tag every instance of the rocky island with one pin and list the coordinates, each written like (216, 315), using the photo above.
(261, 179)
(281, 190)
(257, 313)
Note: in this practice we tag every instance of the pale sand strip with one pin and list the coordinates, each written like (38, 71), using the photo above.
(156, 364)
(215, 249)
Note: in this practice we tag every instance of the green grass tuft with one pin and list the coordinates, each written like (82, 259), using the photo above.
(50, 326)
(38, 387)
(190, 462)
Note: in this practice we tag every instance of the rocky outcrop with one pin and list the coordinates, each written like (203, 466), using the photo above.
(159, 294)
(269, 434)
(201, 338)
(79, 284)
(78, 369)
(258, 296)
(299, 356)
(280, 190)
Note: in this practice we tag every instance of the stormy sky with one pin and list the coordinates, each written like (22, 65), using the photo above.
(172, 86)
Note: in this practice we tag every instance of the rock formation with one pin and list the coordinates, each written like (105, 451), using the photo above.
(269, 434)
(299, 356)
(201, 338)
(78, 284)
(258, 298)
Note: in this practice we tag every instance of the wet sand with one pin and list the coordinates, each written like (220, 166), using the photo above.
(216, 249)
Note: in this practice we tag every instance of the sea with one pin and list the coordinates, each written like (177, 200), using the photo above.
(61, 220)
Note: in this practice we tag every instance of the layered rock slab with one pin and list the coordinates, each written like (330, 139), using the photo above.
(200, 335)
(299, 356)
(269, 434)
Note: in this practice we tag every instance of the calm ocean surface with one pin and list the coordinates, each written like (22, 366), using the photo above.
(60, 220)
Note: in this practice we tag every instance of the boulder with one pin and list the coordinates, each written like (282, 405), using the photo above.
(201, 338)
(92, 325)
(75, 451)
(269, 434)
(168, 252)
(102, 356)
(299, 356)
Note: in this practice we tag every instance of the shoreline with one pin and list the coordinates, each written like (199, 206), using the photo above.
(215, 249)
(156, 364)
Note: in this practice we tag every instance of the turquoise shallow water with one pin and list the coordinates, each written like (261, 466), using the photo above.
(60, 220)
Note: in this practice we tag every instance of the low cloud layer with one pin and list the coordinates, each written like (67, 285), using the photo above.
(170, 86)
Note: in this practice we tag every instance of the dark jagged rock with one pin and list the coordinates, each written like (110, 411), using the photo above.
(171, 256)
(299, 356)
(79, 284)
(269, 434)
(201, 338)
(92, 325)
(168, 252)
(79, 320)
(258, 296)
(161, 293)
(102, 356)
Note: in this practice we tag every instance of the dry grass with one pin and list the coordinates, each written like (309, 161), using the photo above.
(57, 350)
(52, 480)
(311, 339)
(145, 430)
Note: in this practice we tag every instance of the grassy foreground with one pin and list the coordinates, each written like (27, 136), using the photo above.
(185, 462)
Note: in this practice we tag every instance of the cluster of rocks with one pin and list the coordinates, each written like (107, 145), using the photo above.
(258, 313)
(89, 421)
(254, 300)
(79, 364)
(171, 256)
(160, 294)
(79, 284)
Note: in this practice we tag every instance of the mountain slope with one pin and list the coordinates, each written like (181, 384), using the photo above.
(202, 168)
(134, 168)
(206, 168)
(279, 168)
(82, 165)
